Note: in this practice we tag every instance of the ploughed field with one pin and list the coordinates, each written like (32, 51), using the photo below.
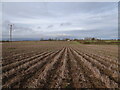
(59, 64)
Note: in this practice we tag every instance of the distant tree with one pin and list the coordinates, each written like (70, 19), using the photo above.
(50, 39)
(93, 39)
(5, 40)
(75, 39)
(67, 39)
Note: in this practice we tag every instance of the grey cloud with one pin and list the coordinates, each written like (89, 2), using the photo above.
(98, 33)
(33, 10)
(50, 26)
(39, 27)
(38, 19)
(65, 24)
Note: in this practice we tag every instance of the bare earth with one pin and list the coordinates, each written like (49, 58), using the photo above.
(59, 64)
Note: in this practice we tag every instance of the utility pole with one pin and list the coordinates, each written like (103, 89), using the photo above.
(11, 29)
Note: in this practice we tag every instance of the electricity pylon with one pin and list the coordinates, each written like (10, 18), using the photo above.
(11, 29)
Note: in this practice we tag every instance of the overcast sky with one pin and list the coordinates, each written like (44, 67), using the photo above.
(61, 20)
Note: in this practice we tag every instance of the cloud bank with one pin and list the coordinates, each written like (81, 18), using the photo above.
(63, 19)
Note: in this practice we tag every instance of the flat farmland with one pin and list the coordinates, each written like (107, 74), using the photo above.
(59, 64)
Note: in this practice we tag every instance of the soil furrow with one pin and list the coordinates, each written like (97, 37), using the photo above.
(100, 57)
(15, 64)
(97, 78)
(16, 71)
(113, 75)
(100, 61)
(41, 79)
(59, 64)
(35, 80)
(27, 73)
(61, 78)
(79, 77)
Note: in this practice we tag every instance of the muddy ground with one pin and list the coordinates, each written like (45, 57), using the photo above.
(59, 64)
